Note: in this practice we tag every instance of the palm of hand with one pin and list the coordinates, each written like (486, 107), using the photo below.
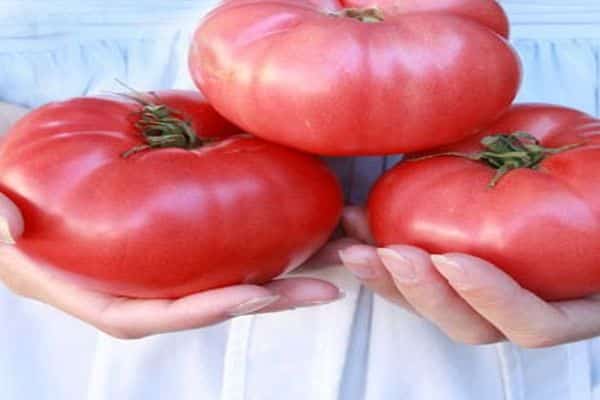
(133, 318)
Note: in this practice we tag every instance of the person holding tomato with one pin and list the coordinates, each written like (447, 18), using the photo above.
(411, 324)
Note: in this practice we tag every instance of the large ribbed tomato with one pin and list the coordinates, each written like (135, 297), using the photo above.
(165, 221)
(357, 77)
(541, 220)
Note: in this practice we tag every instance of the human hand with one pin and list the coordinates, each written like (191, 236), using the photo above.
(469, 299)
(134, 318)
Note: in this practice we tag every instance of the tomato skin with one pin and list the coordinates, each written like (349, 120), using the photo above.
(162, 223)
(431, 73)
(541, 226)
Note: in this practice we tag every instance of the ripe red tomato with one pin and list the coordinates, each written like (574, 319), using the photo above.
(162, 222)
(540, 224)
(337, 78)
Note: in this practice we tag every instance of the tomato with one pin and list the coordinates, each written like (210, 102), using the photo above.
(119, 217)
(540, 221)
(357, 77)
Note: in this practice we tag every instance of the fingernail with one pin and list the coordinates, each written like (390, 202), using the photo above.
(341, 295)
(357, 264)
(5, 234)
(450, 269)
(252, 306)
(401, 268)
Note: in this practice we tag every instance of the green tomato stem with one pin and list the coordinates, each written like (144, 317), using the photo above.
(161, 126)
(367, 15)
(506, 152)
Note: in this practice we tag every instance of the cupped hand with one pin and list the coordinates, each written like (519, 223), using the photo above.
(134, 318)
(468, 298)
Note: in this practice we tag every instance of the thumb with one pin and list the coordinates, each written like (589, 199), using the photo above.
(356, 224)
(11, 221)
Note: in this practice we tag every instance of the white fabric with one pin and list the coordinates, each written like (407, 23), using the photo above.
(355, 349)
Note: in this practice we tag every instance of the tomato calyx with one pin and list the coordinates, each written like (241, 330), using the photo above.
(161, 126)
(505, 152)
(367, 15)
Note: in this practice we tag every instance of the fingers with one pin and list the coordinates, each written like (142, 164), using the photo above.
(11, 221)
(20, 274)
(365, 265)
(134, 318)
(329, 254)
(215, 306)
(356, 224)
(580, 321)
(430, 294)
(475, 302)
(301, 292)
(521, 316)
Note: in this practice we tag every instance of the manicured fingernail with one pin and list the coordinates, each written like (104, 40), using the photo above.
(341, 295)
(5, 235)
(401, 268)
(450, 269)
(358, 264)
(253, 305)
